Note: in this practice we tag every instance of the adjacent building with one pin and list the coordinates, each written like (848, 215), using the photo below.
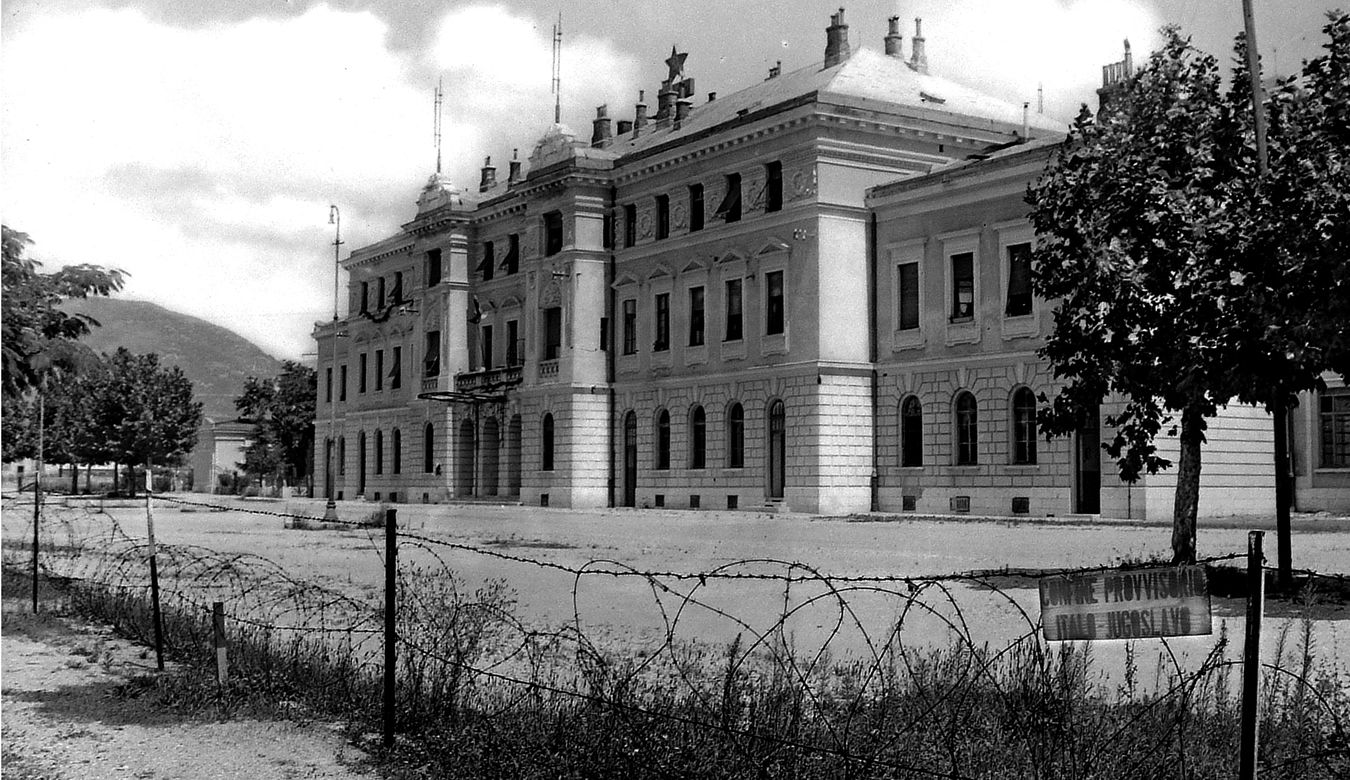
(809, 294)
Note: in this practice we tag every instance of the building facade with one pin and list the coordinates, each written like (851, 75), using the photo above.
(809, 294)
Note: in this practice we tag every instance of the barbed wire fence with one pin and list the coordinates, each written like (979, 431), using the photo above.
(817, 686)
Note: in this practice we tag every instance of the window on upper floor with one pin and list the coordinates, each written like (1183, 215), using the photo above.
(630, 326)
(380, 295)
(733, 311)
(773, 186)
(963, 286)
(328, 385)
(486, 342)
(695, 316)
(515, 350)
(1019, 281)
(488, 264)
(662, 217)
(662, 323)
(342, 382)
(511, 263)
(1333, 416)
(365, 297)
(552, 333)
(730, 207)
(431, 361)
(695, 207)
(629, 225)
(433, 267)
(379, 370)
(773, 303)
(397, 294)
(553, 233)
(907, 296)
(396, 369)
(607, 228)
(361, 373)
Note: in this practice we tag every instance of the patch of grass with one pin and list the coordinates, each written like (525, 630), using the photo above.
(529, 544)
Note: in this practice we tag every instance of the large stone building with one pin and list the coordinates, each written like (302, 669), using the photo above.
(810, 293)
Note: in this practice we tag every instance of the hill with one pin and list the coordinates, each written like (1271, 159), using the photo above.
(216, 359)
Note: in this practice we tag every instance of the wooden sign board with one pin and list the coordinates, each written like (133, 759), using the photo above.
(1135, 604)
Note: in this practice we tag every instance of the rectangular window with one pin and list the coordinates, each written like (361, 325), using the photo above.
(489, 262)
(604, 334)
(963, 286)
(361, 373)
(662, 341)
(662, 217)
(396, 370)
(695, 207)
(379, 296)
(1019, 280)
(773, 302)
(773, 186)
(629, 225)
(433, 267)
(553, 233)
(365, 297)
(379, 370)
(431, 363)
(730, 207)
(342, 382)
(630, 326)
(511, 263)
(695, 316)
(328, 385)
(515, 351)
(552, 333)
(398, 288)
(907, 279)
(607, 240)
(733, 319)
(1334, 414)
(487, 346)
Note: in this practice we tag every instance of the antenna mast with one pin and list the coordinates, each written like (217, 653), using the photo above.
(436, 123)
(557, 70)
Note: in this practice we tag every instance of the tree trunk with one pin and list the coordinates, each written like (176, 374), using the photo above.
(131, 480)
(74, 479)
(1188, 486)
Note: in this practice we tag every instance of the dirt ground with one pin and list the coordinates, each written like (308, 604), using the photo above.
(70, 713)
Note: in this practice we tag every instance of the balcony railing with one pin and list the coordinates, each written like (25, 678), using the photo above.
(488, 379)
(431, 383)
(548, 370)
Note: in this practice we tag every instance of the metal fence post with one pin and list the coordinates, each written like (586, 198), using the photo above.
(154, 566)
(390, 631)
(218, 638)
(1251, 657)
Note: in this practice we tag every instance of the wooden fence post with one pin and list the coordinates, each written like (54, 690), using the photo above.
(154, 566)
(390, 629)
(1251, 657)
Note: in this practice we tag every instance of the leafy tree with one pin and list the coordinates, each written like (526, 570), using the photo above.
(1156, 234)
(66, 432)
(33, 326)
(139, 411)
(282, 412)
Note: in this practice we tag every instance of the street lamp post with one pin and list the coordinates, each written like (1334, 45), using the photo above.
(330, 449)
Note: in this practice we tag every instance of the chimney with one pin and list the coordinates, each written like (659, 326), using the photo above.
(1026, 120)
(893, 39)
(640, 111)
(625, 126)
(918, 60)
(665, 102)
(489, 179)
(682, 109)
(601, 134)
(836, 40)
(712, 96)
(513, 175)
(1114, 75)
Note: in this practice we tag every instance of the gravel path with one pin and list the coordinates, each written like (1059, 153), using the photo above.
(63, 721)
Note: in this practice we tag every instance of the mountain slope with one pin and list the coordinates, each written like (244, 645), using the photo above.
(216, 359)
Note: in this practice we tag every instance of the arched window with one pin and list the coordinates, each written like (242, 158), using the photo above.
(379, 451)
(966, 430)
(735, 436)
(428, 448)
(397, 444)
(342, 455)
(547, 443)
(663, 439)
(1024, 426)
(911, 432)
(698, 438)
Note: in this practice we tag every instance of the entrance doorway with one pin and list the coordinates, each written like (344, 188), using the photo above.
(1087, 498)
(328, 468)
(513, 456)
(630, 459)
(491, 456)
(464, 453)
(361, 463)
(777, 449)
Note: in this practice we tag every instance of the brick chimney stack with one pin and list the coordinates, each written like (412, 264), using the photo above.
(836, 40)
(489, 179)
(665, 102)
(640, 111)
(1114, 75)
(600, 135)
(894, 39)
(513, 174)
(682, 108)
(625, 126)
(918, 60)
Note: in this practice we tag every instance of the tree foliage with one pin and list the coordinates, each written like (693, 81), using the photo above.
(282, 412)
(1185, 281)
(34, 328)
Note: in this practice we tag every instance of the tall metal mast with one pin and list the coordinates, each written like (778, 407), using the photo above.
(557, 70)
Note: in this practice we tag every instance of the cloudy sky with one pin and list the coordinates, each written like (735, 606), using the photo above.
(197, 145)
